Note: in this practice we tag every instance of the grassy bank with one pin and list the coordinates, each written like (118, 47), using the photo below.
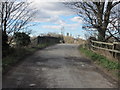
(110, 65)
(18, 54)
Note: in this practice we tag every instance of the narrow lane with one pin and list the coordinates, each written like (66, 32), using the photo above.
(58, 66)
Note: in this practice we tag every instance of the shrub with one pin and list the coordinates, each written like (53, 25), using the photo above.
(21, 39)
(5, 46)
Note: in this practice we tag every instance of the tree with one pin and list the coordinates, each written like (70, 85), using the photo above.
(98, 16)
(113, 30)
(5, 46)
(67, 34)
(15, 16)
(21, 39)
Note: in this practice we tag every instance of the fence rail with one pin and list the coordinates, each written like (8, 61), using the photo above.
(104, 43)
(104, 46)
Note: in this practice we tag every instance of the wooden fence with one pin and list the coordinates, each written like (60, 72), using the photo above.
(114, 47)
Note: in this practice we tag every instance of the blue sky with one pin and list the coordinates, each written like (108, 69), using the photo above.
(52, 16)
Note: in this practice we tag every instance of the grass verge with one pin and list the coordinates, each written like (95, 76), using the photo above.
(18, 54)
(111, 66)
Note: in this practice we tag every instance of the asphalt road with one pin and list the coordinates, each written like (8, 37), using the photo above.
(58, 66)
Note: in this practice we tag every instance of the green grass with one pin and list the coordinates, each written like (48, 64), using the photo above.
(100, 59)
(18, 54)
(110, 65)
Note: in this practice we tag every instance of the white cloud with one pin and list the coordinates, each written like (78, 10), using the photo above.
(51, 26)
(65, 0)
(49, 11)
(77, 19)
(71, 26)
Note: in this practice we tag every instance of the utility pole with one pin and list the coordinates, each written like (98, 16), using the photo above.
(62, 32)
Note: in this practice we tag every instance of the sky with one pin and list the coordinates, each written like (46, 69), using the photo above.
(52, 17)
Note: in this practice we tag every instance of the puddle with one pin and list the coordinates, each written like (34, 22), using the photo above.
(39, 63)
(32, 85)
(44, 69)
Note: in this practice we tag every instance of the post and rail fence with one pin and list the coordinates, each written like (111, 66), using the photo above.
(114, 47)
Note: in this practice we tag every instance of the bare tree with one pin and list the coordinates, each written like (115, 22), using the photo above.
(15, 16)
(98, 16)
(113, 29)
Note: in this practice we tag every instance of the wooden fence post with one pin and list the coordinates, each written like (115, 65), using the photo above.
(90, 44)
(114, 47)
(114, 51)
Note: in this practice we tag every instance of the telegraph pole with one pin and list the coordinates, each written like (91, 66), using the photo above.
(62, 32)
